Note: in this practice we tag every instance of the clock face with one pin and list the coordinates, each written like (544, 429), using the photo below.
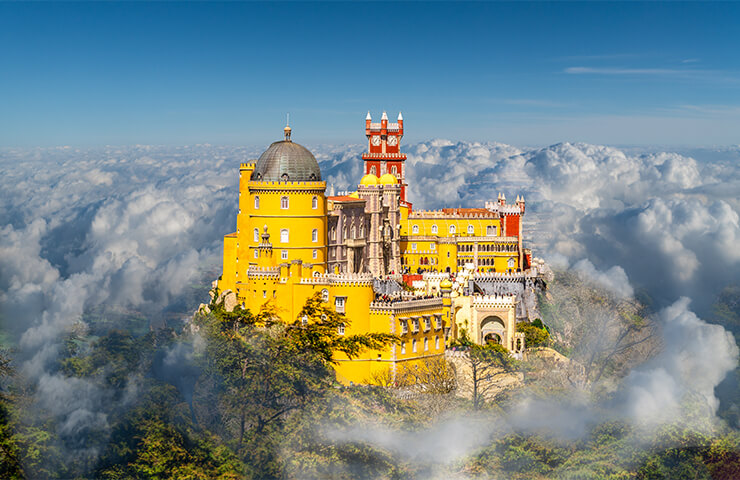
(375, 140)
(392, 141)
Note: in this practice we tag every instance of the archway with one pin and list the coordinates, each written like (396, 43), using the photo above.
(492, 329)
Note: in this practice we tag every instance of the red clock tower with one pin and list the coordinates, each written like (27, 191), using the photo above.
(384, 149)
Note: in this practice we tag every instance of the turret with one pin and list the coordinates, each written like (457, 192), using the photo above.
(400, 124)
(501, 199)
(520, 203)
(384, 124)
(368, 120)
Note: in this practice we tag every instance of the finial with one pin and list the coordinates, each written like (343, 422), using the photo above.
(368, 117)
(400, 117)
(287, 129)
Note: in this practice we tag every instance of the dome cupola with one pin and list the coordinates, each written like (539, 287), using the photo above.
(287, 161)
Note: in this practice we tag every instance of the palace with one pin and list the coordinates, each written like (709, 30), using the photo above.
(427, 276)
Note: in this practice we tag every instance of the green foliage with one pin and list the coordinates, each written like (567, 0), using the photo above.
(535, 333)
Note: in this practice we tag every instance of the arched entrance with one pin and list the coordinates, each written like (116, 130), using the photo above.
(492, 330)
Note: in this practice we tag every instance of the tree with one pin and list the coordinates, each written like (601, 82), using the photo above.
(263, 369)
(484, 363)
(534, 335)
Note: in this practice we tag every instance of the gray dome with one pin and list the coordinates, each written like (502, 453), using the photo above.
(287, 161)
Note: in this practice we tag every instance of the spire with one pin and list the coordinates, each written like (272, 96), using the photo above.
(400, 117)
(368, 117)
(384, 117)
(287, 129)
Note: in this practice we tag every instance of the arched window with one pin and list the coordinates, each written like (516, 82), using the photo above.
(415, 229)
(284, 203)
(491, 230)
(315, 203)
(512, 263)
(372, 170)
(256, 234)
(315, 235)
(256, 202)
(452, 229)
(284, 236)
(354, 232)
(315, 254)
(394, 170)
(362, 231)
(434, 229)
(324, 295)
(471, 230)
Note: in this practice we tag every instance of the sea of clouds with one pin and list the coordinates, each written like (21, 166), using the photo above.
(133, 227)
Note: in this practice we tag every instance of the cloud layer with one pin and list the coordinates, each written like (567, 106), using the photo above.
(133, 227)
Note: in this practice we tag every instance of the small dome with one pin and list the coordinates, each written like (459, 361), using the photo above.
(446, 284)
(388, 179)
(369, 179)
(354, 195)
(287, 161)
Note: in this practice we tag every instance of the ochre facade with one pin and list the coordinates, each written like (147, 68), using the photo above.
(468, 270)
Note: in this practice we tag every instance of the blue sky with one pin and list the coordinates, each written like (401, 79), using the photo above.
(226, 73)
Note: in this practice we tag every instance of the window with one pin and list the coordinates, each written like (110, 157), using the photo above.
(284, 254)
(432, 246)
(264, 293)
(394, 170)
(404, 327)
(372, 170)
(284, 203)
(256, 253)
(438, 322)
(315, 203)
(512, 263)
(471, 230)
(436, 343)
(315, 254)
(452, 229)
(362, 231)
(333, 234)
(434, 229)
(284, 236)
(415, 229)
(413, 246)
(403, 348)
(339, 303)
(426, 344)
(427, 324)
(256, 234)
(324, 295)
(340, 329)
(491, 230)
(304, 320)
(354, 232)
(416, 325)
(315, 235)
(256, 202)
(413, 345)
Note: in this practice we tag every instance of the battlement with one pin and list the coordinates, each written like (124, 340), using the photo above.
(383, 156)
(494, 301)
(247, 166)
(276, 186)
(347, 279)
(457, 213)
(407, 305)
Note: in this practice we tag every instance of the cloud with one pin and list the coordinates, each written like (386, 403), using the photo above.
(626, 71)
(134, 226)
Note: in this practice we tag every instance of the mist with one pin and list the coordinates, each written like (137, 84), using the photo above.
(133, 228)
